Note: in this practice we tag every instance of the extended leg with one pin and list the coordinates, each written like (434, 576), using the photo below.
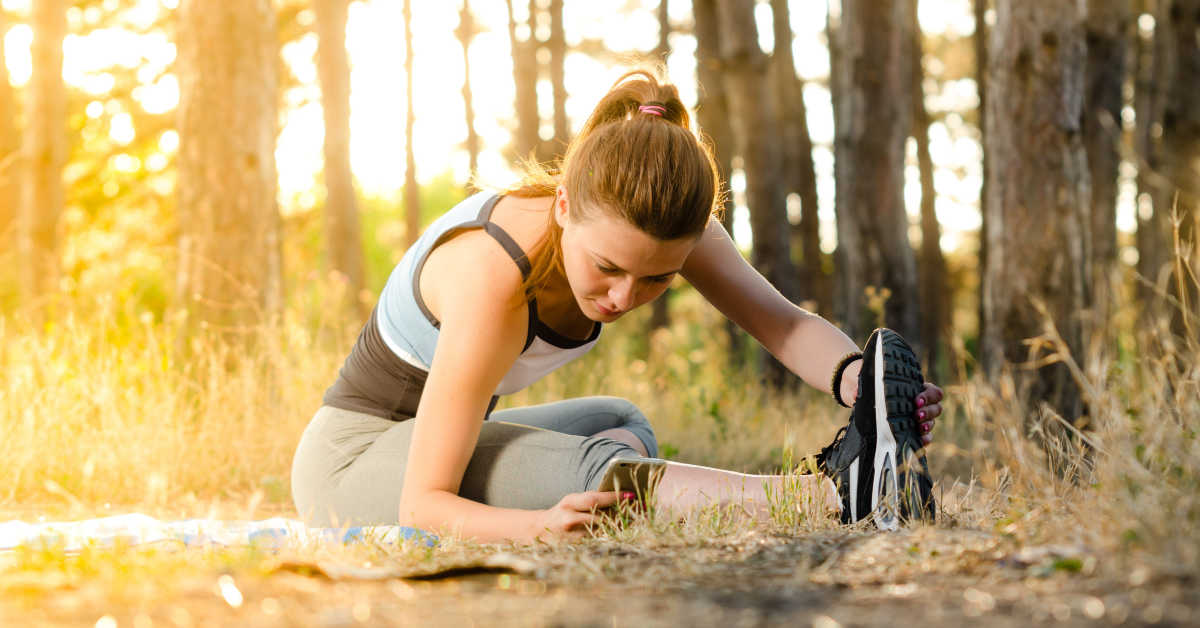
(685, 486)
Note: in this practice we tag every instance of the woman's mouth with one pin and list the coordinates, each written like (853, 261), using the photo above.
(605, 311)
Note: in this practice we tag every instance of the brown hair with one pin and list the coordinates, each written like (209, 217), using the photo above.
(649, 169)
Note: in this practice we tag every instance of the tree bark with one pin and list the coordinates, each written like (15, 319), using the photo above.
(660, 314)
(230, 274)
(933, 289)
(799, 171)
(981, 82)
(1108, 32)
(45, 153)
(10, 157)
(1180, 146)
(1153, 75)
(342, 231)
(1038, 227)
(874, 119)
(756, 134)
(663, 50)
(412, 193)
(712, 114)
(466, 32)
(526, 140)
(557, 46)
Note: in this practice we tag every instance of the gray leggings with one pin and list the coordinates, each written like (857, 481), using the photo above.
(349, 466)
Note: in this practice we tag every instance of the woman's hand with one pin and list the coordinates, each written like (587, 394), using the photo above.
(572, 515)
(928, 408)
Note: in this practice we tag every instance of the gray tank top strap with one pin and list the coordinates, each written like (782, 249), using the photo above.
(514, 250)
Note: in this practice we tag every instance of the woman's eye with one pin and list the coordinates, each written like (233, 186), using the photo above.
(606, 269)
(662, 279)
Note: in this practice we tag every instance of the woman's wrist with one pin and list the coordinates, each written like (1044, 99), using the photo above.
(539, 526)
(850, 382)
(844, 383)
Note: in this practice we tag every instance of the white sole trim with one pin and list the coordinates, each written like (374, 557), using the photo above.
(883, 482)
(854, 490)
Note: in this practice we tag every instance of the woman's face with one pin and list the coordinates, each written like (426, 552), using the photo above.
(612, 266)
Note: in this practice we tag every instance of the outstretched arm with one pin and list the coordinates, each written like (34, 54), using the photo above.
(805, 343)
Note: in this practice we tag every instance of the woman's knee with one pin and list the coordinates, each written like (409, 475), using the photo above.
(631, 419)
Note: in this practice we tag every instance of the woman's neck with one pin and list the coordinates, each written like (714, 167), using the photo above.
(558, 309)
(526, 220)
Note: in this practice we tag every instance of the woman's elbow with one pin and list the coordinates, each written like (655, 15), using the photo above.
(416, 509)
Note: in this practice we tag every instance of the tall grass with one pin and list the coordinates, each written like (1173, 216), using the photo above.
(101, 406)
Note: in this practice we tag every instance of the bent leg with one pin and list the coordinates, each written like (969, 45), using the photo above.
(604, 417)
(349, 468)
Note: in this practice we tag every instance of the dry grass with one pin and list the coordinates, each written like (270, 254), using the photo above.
(101, 407)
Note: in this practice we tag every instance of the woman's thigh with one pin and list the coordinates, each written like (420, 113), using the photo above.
(584, 416)
(335, 482)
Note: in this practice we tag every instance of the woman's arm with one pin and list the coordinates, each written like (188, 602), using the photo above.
(805, 343)
(470, 288)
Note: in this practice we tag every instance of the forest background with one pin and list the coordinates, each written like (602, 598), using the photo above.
(199, 202)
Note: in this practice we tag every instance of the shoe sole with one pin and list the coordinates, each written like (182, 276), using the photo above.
(898, 381)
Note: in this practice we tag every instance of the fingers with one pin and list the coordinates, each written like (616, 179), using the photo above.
(590, 500)
(928, 408)
(930, 395)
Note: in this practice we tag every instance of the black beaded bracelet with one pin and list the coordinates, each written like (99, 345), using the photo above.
(836, 384)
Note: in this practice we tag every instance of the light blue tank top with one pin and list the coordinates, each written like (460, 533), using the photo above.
(411, 331)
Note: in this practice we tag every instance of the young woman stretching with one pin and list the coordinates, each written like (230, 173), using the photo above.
(503, 289)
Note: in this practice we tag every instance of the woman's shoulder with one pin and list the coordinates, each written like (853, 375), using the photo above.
(524, 219)
(470, 270)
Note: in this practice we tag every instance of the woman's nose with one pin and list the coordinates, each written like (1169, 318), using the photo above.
(622, 294)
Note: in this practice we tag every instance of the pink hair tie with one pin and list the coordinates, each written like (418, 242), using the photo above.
(656, 110)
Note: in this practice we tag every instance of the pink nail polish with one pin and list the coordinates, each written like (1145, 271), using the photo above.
(920, 402)
(921, 414)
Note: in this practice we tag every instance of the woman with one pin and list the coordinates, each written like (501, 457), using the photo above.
(503, 289)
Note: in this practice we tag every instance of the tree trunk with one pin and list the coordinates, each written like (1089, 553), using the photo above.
(752, 110)
(934, 291)
(230, 274)
(1108, 31)
(412, 193)
(466, 32)
(660, 314)
(10, 157)
(1038, 228)
(526, 140)
(1180, 144)
(342, 232)
(874, 119)
(663, 50)
(799, 171)
(981, 83)
(45, 152)
(557, 46)
(712, 114)
(1153, 75)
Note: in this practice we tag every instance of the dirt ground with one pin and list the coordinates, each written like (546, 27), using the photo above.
(841, 577)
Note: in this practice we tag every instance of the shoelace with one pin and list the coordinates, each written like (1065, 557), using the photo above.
(825, 451)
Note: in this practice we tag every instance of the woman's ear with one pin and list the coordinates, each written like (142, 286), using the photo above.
(561, 206)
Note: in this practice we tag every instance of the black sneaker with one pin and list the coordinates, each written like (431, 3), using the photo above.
(884, 475)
